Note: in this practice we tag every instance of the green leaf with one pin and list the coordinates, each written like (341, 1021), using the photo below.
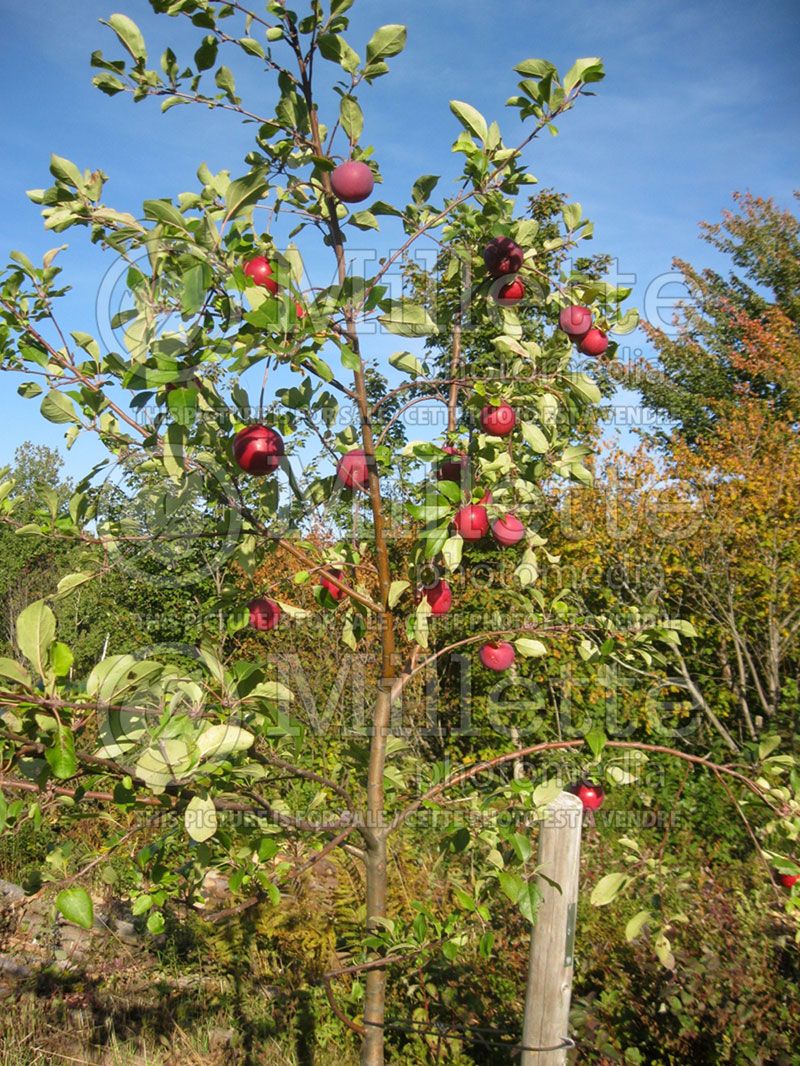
(663, 950)
(627, 323)
(584, 71)
(352, 118)
(396, 590)
(155, 923)
(243, 193)
(535, 68)
(76, 906)
(61, 658)
(65, 171)
(224, 739)
(408, 320)
(61, 756)
(452, 550)
(531, 649)
(407, 363)
(72, 581)
(533, 436)
(164, 211)
(423, 187)
(596, 739)
(36, 631)
(56, 407)
(196, 282)
(636, 925)
(182, 405)
(572, 215)
(385, 42)
(608, 888)
(200, 818)
(12, 671)
(470, 118)
(29, 389)
(585, 387)
(335, 48)
(224, 80)
(129, 34)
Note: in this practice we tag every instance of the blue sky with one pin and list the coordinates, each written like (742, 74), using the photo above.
(700, 100)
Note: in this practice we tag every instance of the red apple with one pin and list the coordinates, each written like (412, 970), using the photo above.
(502, 256)
(260, 272)
(788, 880)
(594, 342)
(508, 531)
(258, 450)
(511, 294)
(472, 522)
(353, 182)
(591, 795)
(328, 585)
(301, 311)
(353, 469)
(498, 655)
(440, 597)
(498, 421)
(264, 614)
(452, 469)
(575, 321)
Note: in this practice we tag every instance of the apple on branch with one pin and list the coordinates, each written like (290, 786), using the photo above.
(508, 531)
(472, 521)
(352, 182)
(502, 257)
(264, 614)
(259, 270)
(498, 421)
(353, 469)
(497, 655)
(258, 450)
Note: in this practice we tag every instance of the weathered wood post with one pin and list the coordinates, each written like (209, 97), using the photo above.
(549, 990)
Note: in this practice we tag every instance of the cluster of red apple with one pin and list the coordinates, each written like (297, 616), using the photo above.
(504, 257)
(258, 449)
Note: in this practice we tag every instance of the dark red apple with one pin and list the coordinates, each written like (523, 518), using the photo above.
(264, 614)
(511, 294)
(508, 531)
(497, 655)
(591, 795)
(352, 182)
(472, 522)
(575, 321)
(353, 469)
(328, 585)
(498, 421)
(502, 256)
(440, 597)
(258, 450)
(595, 342)
(788, 880)
(260, 272)
(452, 469)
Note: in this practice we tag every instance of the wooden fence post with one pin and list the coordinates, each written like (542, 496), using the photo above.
(549, 990)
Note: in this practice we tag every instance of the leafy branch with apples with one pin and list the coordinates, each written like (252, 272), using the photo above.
(188, 412)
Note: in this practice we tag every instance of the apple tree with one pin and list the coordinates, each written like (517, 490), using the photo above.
(240, 408)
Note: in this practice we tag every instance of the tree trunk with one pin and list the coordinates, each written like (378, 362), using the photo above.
(375, 836)
(375, 996)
